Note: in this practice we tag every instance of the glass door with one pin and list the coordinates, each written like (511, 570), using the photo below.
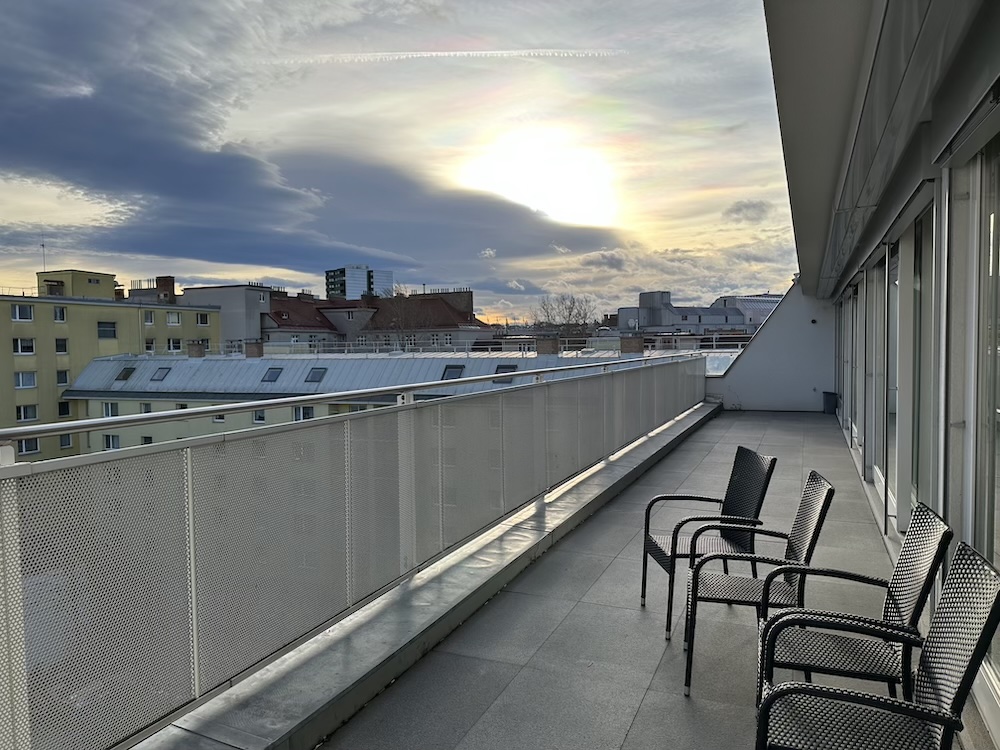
(891, 377)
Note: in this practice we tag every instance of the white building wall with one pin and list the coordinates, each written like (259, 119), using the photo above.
(788, 364)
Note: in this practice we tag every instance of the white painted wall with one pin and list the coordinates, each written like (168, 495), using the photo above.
(788, 364)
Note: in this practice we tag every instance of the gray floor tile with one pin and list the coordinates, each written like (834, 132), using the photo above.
(545, 710)
(599, 539)
(620, 585)
(510, 627)
(609, 644)
(671, 721)
(432, 706)
(561, 574)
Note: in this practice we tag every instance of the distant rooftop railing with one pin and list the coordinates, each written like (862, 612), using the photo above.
(137, 582)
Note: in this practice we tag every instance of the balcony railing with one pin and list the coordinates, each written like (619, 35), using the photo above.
(138, 581)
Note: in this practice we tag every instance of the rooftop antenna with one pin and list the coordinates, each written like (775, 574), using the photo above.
(43, 256)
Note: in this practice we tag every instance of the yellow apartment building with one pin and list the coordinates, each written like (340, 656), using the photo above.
(77, 316)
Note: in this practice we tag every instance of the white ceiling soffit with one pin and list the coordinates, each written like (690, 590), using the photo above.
(820, 57)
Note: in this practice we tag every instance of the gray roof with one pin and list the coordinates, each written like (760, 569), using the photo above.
(241, 379)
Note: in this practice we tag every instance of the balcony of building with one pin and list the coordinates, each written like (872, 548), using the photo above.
(458, 573)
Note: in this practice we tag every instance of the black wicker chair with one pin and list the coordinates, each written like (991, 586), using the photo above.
(748, 484)
(802, 715)
(711, 586)
(807, 641)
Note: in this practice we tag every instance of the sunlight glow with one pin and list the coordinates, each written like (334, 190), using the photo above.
(547, 170)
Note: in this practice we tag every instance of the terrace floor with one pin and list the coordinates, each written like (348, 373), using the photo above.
(564, 656)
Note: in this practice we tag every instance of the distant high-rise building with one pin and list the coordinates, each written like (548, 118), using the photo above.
(356, 281)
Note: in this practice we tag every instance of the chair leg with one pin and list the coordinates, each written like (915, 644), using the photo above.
(670, 595)
(807, 676)
(645, 565)
(753, 568)
(892, 688)
(689, 643)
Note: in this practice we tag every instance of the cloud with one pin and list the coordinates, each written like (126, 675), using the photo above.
(561, 249)
(488, 253)
(515, 285)
(616, 259)
(504, 303)
(750, 212)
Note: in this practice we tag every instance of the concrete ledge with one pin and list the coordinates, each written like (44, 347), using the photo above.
(302, 697)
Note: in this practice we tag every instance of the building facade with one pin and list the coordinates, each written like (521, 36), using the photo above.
(53, 338)
(735, 314)
(890, 124)
(357, 281)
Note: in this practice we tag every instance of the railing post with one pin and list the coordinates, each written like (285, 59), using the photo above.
(14, 683)
(7, 453)
(192, 569)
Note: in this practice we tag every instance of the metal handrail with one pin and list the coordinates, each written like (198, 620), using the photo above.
(130, 420)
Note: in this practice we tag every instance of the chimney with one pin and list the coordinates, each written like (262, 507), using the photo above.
(547, 346)
(165, 290)
(196, 349)
(253, 349)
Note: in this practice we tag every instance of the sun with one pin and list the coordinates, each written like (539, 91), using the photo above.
(548, 170)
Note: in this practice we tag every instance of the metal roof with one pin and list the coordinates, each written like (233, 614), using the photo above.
(240, 378)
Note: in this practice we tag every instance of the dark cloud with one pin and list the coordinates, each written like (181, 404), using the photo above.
(616, 259)
(749, 212)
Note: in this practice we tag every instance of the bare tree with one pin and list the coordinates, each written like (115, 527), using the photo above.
(569, 314)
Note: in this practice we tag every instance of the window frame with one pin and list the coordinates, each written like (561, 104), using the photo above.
(175, 345)
(107, 329)
(299, 413)
(20, 376)
(160, 375)
(109, 408)
(68, 442)
(22, 410)
(15, 312)
(148, 317)
(272, 374)
(64, 344)
(504, 369)
(63, 406)
(316, 374)
(59, 380)
(111, 441)
(23, 448)
(199, 317)
(448, 369)
(55, 313)
(173, 318)
(19, 347)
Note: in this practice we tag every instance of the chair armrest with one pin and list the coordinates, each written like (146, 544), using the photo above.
(740, 521)
(736, 557)
(805, 571)
(756, 530)
(875, 702)
(837, 621)
(692, 498)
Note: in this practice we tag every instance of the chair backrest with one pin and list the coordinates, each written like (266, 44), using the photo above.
(962, 626)
(924, 546)
(748, 484)
(816, 496)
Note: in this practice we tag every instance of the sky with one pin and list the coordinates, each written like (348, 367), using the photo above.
(516, 147)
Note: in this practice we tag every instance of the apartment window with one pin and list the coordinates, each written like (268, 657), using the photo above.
(173, 345)
(151, 346)
(505, 368)
(258, 416)
(435, 339)
(362, 340)
(107, 329)
(293, 339)
(261, 297)
(59, 314)
(173, 318)
(66, 441)
(447, 339)
(350, 314)
(146, 440)
(110, 408)
(145, 407)
(271, 375)
(112, 442)
(201, 319)
(451, 372)
(24, 346)
(160, 374)
(62, 377)
(22, 313)
(147, 317)
(93, 281)
(125, 374)
(25, 379)
(219, 418)
(316, 375)
(410, 339)
(26, 446)
(64, 409)
(62, 346)
(304, 412)
(27, 413)
(180, 406)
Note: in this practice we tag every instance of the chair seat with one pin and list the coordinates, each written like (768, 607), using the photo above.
(804, 722)
(834, 653)
(658, 547)
(743, 590)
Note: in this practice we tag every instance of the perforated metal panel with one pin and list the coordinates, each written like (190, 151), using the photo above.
(373, 502)
(96, 569)
(426, 481)
(590, 410)
(523, 446)
(562, 446)
(472, 459)
(270, 546)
